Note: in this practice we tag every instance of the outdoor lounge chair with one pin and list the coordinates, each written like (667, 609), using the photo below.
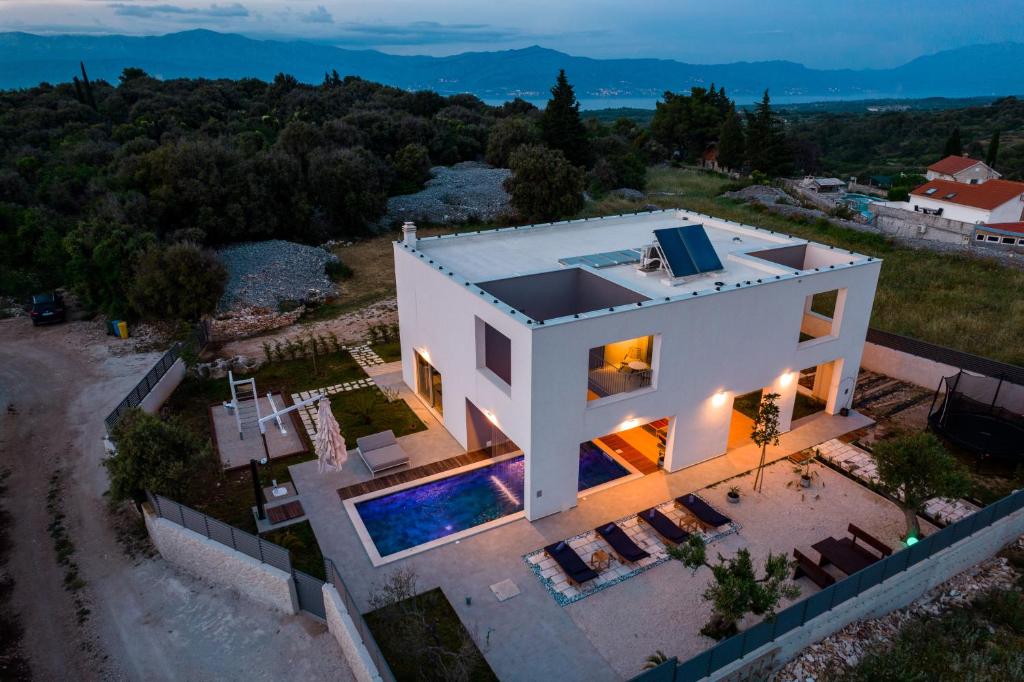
(702, 511)
(381, 451)
(570, 562)
(621, 544)
(664, 526)
(806, 567)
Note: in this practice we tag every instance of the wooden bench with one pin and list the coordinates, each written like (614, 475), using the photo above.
(871, 541)
(806, 567)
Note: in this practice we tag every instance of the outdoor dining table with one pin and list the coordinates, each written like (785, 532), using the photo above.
(844, 555)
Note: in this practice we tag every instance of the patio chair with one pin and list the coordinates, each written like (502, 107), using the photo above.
(381, 451)
(707, 515)
(663, 526)
(806, 567)
(621, 544)
(570, 562)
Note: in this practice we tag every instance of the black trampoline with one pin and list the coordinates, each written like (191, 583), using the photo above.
(966, 410)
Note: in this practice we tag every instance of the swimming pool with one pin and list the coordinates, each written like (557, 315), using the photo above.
(414, 516)
(860, 203)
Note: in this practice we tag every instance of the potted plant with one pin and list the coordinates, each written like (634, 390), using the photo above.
(734, 494)
(805, 470)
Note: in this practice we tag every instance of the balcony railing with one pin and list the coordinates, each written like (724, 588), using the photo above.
(608, 380)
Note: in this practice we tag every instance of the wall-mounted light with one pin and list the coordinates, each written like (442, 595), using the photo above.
(786, 379)
(718, 399)
(491, 417)
(424, 353)
(630, 423)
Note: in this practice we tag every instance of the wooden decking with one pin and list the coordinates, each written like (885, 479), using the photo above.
(412, 474)
(629, 453)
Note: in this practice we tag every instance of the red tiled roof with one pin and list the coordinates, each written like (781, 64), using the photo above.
(952, 164)
(987, 195)
(1006, 227)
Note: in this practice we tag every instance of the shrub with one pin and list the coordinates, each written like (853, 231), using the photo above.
(412, 168)
(544, 185)
(899, 194)
(506, 136)
(337, 271)
(176, 282)
(153, 454)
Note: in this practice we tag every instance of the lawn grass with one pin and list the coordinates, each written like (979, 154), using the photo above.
(291, 376)
(970, 304)
(300, 541)
(446, 628)
(366, 411)
(805, 406)
(982, 642)
(389, 352)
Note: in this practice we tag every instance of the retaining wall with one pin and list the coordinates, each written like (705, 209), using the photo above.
(155, 399)
(251, 321)
(210, 560)
(927, 373)
(894, 593)
(906, 224)
(340, 624)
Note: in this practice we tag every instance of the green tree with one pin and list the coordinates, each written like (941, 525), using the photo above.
(767, 148)
(412, 168)
(765, 431)
(561, 126)
(100, 258)
(731, 143)
(954, 147)
(737, 590)
(913, 468)
(176, 282)
(506, 135)
(153, 454)
(544, 185)
(350, 185)
(992, 155)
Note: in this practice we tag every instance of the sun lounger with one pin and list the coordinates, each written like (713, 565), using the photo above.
(806, 567)
(621, 544)
(570, 562)
(381, 451)
(664, 526)
(702, 511)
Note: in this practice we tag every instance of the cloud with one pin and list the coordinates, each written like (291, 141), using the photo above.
(320, 15)
(426, 33)
(149, 11)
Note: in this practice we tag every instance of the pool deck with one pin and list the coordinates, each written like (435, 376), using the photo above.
(575, 642)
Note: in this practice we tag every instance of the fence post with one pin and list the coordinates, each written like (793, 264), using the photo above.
(206, 522)
(233, 545)
(181, 513)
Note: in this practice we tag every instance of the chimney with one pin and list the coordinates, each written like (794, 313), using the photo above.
(409, 234)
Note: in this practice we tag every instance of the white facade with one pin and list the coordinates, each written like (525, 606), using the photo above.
(709, 344)
(1008, 212)
(973, 175)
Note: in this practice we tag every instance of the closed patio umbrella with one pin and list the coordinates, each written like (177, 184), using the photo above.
(329, 444)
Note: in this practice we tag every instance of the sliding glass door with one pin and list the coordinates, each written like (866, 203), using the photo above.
(428, 383)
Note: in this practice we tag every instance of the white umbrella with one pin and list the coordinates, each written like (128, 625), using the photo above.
(330, 445)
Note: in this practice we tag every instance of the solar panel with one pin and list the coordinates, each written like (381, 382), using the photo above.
(604, 260)
(687, 250)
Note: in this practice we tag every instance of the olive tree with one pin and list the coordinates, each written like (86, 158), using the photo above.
(765, 431)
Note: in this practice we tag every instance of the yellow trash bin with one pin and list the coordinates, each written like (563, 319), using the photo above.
(122, 329)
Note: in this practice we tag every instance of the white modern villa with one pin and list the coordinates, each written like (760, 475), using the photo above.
(637, 332)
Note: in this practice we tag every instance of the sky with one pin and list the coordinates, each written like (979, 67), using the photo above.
(820, 33)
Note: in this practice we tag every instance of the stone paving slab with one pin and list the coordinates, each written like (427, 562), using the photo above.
(861, 465)
(505, 590)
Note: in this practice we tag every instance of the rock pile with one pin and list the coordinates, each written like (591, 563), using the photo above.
(466, 191)
(218, 369)
(263, 274)
(845, 648)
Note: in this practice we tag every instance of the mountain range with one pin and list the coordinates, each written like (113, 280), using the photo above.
(27, 59)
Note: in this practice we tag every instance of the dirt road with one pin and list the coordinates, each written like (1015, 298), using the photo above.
(148, 620)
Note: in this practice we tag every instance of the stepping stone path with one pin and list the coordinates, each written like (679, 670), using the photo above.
(365, 356)
(860, 464)
(308, 414)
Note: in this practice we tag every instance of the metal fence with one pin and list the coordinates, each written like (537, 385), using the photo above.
(334, 578)
(732, 649)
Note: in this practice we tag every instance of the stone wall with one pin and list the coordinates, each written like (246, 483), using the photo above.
(896, 592)
(908, 225)
(210, 560)
(251, 321)
(341, 625)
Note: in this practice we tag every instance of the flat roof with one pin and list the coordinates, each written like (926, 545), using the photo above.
(480, 257)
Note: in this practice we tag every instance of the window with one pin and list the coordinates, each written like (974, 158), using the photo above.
(620, 367)
(950, 195)
(993, 238)
(980, 237)
(974, 181)
(497, 353)
(1009, 240)
(822, 315)
(930, 191)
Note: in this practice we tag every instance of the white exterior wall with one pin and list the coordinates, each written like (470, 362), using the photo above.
(1006, 213)
(733, 341)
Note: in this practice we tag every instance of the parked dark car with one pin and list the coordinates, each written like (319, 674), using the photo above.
(47, 308)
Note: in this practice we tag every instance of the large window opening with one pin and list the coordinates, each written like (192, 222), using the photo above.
(620, 367)
(741, 424)
(428, 383)
(493, 353)
(812, 390)
(484, 435)
(638, 449)
(822, 312)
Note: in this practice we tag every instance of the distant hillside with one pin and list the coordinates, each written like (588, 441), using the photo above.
(27, 59)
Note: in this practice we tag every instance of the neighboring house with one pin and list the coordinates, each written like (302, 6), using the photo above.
(639, 328)
(961, 169)
(995, 201)
(823, 185)
(709, 159)
(1003, 234)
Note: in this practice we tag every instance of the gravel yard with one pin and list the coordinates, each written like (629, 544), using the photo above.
(262, 274)
(457, 194)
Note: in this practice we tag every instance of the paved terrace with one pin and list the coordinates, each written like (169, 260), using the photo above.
(606, 635)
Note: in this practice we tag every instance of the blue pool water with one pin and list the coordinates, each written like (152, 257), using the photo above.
(860, 203)
(414, 516)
